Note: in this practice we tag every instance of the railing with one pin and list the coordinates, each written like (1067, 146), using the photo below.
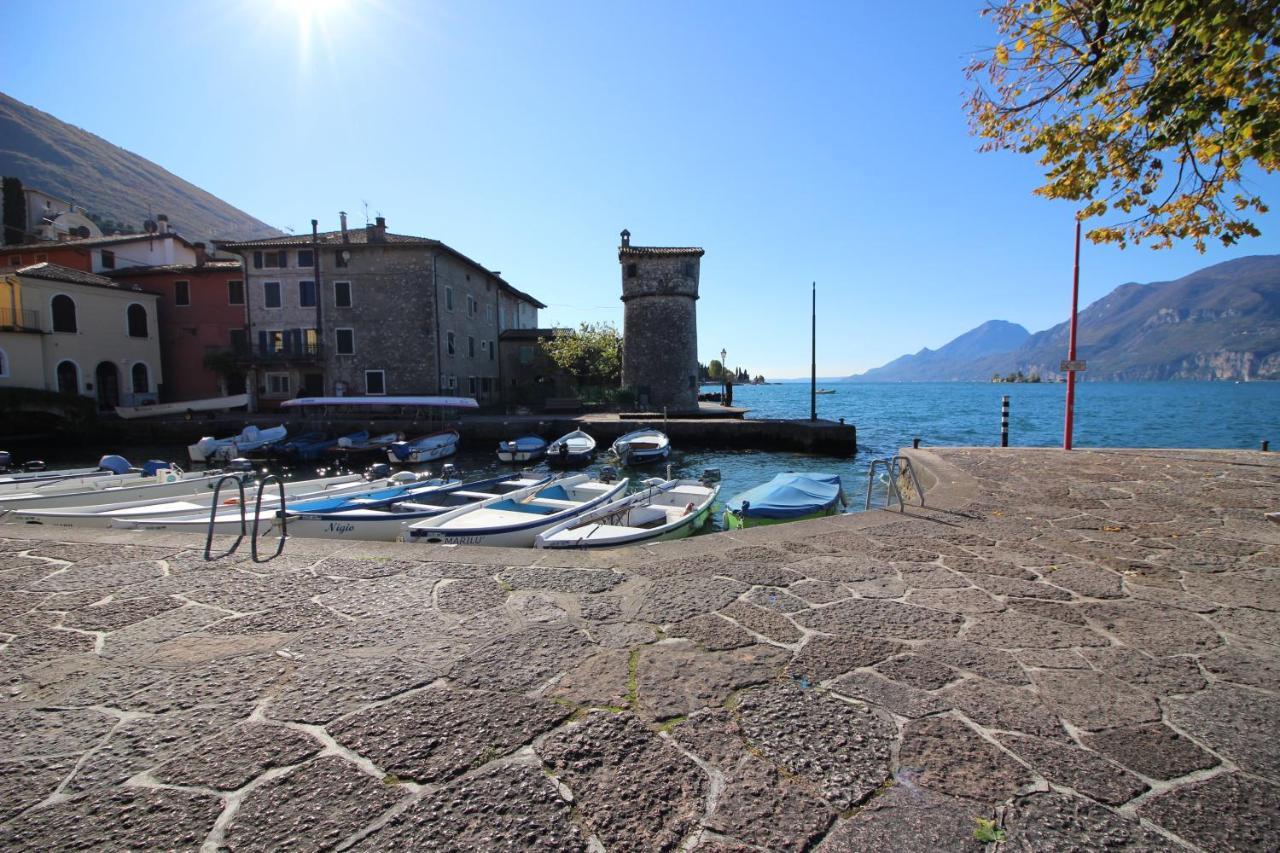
(270, 354)
(242, 503)
(22, 319)
(900, 482)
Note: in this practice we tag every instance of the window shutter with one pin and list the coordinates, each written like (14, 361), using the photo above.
(257, 260)
(262, 343)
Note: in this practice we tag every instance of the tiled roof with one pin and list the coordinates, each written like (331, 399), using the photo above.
(56, 272)
(359, 236)
(94, 242)
(624, 251)
(159, 269)
(531, 334)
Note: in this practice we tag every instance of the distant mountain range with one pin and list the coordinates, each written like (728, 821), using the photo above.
(64, 161)
(1221, 322)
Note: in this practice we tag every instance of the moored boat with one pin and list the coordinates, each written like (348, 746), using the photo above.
(515, 520)
(349, 448)
(642, 446)
(787, 497)
(572, 449)
(427, 448)
(112, 470)
(526, 448)
(251, 438)
(165, 483)
(662, 511)
(210, 404)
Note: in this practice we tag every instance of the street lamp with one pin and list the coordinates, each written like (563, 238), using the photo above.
(724, 387)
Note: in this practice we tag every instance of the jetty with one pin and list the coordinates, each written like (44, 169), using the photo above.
(1058, 650)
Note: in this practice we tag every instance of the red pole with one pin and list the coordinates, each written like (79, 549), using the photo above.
(1071, 345)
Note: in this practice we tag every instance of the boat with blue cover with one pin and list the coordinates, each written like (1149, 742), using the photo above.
(526, 448)
(427, 448)
(516, 520)
(314, 446)
(787, 497)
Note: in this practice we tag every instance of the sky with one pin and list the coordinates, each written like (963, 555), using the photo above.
(795, 143)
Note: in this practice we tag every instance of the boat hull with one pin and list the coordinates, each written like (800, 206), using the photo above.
(734, 521)
(193, 486)
(686, 528)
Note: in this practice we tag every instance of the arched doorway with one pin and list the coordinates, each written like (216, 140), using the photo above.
(108, 378)
(68, 378)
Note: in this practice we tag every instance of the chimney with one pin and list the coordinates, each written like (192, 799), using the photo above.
(380, 230)
(162, 223)
(200, 255)
(342, 218)
(626, 238)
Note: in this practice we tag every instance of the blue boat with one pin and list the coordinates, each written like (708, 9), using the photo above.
(787, 497)
(526, 448)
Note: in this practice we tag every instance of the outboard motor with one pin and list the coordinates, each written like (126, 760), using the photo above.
(710, 475)
(608, 474)
(114, 464)
(378, 471)
(448, 471)
(151, 466)
(404, 477)
(6, 459)
(240, 464)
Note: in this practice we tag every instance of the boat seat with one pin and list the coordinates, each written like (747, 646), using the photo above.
(553, 503)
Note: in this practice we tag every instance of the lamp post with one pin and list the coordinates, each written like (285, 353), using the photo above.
(724, 388)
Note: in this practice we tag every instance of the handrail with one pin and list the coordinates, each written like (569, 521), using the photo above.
(896, 468)
(213, 517)
(257, 515)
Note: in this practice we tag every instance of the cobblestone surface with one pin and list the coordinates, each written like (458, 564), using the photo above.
(1081, 649)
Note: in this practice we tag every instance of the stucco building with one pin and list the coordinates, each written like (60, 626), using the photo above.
(363, 311)
(72, 331)
(660, 324)
(104, 255)
(201, 317)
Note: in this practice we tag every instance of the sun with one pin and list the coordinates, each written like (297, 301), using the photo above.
(308, 11)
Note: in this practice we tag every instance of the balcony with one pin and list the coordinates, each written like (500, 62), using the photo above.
(290, 352)
(19, 321)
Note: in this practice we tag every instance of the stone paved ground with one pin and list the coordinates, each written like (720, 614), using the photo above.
(1080, 649)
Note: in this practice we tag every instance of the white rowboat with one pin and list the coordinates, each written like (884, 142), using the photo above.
(665, 510)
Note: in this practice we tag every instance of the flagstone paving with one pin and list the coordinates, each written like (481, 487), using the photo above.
(1061, 652)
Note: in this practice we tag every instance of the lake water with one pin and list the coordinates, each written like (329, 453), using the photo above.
(888, 416)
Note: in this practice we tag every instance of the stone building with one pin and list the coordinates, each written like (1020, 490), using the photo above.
(362, 311)
(660, 324)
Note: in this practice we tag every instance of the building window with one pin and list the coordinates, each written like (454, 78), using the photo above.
(108, 259)
(526, 354)
(631, 270)
(239, 340)
(340, 258)
(275, 259)
(451, 346)
(307, 294)
(271, 294)
(68, 378)
(141, 379)
(342, 294)
(182, 293)
(472, 305)
(375, 382)
(273, 341)
(63, 311)
(471, 386)
(306, 258)
(278, 384)
(346, 341)
(488, 313)
(136, 320)
(448, 299)
(493, 350)
(471, 347)
(688, 269)
(235, 293)
(257, 260)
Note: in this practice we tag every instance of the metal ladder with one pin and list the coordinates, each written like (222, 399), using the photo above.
(900, 482)
(244, 523)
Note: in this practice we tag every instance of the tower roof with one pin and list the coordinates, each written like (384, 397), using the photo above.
(637, 251)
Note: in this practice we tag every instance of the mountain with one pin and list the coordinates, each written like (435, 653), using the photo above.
(1221, 322)
(113, 184)
(991, 338)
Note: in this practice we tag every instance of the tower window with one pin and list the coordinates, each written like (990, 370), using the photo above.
(631, 270)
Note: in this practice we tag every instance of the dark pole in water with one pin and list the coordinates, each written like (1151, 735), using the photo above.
(1071, 346)
(813, 358)
(1004, 421)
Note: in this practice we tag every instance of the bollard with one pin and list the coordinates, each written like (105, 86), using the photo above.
(915, 444)
(1004, 421)
(1266, 445)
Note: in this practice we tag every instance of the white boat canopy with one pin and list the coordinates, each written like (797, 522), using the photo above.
(417, 402)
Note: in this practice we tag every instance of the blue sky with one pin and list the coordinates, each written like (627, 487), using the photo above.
(794, 142)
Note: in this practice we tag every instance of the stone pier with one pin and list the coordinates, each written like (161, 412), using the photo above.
(1062, 652)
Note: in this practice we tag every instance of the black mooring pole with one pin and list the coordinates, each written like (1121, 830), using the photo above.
(813, 358)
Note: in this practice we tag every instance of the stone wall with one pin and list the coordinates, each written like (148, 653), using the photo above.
(473, 319)
(660, 329)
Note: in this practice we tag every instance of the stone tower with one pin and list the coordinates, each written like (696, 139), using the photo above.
(660, 324)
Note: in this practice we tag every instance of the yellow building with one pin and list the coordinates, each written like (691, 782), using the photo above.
(76, 332)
